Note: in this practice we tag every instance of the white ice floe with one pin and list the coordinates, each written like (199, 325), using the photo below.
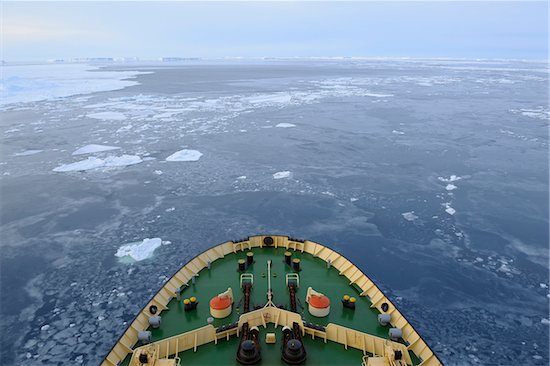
(545, 321)
(107, 116)
(45, 327)
(452, 178)
(94, 163)
(537, 113)
(281, 175)
(409, 216)
(158, 172)
(93, 148)
(398, 132)
(450, 187)
(285, 125)
(185, 155)
(543, 285)
(353, 199)
(30, 83)
(242, 177)
(449, 209)
(139, 251)
(28, 152)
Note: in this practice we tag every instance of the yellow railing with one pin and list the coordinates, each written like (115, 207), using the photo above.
(182, 342)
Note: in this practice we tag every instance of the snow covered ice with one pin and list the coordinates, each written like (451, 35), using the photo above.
(95, 163)
(139, 251)
(185, 155)
(282, 175)
(93, 148)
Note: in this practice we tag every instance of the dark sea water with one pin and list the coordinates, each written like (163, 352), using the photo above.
(432, 176)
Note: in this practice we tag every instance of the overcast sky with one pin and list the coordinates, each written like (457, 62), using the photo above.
(44, 30)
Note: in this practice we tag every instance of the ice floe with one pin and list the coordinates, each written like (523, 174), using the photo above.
(452, 178)
(450, 187)
(396, 132)
(285, 125)
(28, 152)
(281, 175)
(185, 155)
(537, 113)
(449, 209)
(409, 216)
(139, 251)
(93, 148)
(94, 163)
(107, 116)
(30, 83)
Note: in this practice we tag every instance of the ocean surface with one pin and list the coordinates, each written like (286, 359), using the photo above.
(430, 175)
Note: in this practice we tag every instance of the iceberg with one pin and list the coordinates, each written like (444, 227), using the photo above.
(139, 251)
(185, 155)
(90, 149)
(281, 175)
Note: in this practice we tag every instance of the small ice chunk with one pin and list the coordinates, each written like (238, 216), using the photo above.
(452, 178)
(281, 175)
(398, 132)
(545, 321)
(409, 216)
(158, 172)
(107, 116)
(543, 285)
(139, 251)
(449, 209)
(353, 199)
(28, 152)
(242, 177)
(170, 209)
(45, 327)
(185, 155)
(450, 187)
(93, 148)
(285, 125)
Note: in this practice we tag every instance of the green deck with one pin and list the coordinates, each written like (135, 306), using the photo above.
(314, 273)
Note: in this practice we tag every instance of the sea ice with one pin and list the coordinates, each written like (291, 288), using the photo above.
(30, 83)
(93, 148)
(94, 163)
(139, 251)
(409, 216)
(545, 321)
(452, 178)
(28, 152)
(107, 116)
(281, 175)
(398, 132)
(449, 209)
(185, 155)
(450, 187)
(285, 125)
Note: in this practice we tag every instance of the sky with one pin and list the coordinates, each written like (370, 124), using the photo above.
(458, 29)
